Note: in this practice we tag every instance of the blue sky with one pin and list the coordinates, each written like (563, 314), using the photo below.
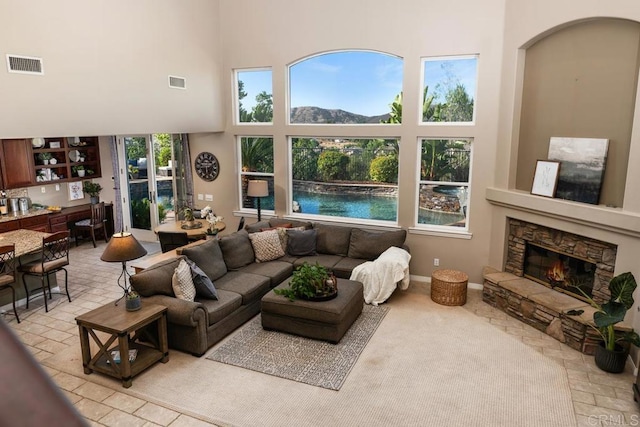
(357, 81)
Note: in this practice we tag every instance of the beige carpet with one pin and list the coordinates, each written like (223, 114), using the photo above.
(426, 365)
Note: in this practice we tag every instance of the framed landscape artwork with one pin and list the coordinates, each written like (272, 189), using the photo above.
(583, 163)
(545, 178)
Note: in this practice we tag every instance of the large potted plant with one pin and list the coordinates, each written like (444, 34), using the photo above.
(611, 353)
(311, 282)
(93, 189)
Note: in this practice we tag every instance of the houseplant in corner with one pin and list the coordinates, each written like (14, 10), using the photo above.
(611, 353)
(311, 282)
(93, 189)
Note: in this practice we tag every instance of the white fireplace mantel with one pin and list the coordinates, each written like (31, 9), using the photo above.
(606, 218)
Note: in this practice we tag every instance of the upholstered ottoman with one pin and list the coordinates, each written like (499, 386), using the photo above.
(326, 320)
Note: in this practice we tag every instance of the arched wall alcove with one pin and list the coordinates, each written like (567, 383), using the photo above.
(580, 80)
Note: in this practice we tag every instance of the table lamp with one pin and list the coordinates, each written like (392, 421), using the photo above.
(258, 188)
(123, 247)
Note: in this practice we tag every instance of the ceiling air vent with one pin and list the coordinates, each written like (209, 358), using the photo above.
(24, 64)
(177, 82)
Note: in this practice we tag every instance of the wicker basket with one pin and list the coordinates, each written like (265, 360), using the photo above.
(449, 287)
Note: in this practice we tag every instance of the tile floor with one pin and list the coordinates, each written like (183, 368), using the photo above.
(599, 399)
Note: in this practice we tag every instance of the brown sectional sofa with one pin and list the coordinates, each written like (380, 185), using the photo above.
(241, 282)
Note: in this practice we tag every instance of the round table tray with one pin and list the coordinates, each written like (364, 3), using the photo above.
(198, 224)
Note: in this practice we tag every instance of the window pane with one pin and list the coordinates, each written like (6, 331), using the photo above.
(255, 96)
(266, 203)
(257, 163)
(350, 178)
(344, 87)
(443, 205)
(449, 89)
(445, 160)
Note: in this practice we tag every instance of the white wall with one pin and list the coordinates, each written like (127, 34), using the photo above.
(106, 65)
(279, 32)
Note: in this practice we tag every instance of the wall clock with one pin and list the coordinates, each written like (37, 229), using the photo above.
(207, 166)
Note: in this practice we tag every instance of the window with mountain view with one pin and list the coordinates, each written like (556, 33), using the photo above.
(254, 96)
(444, 182)
(256, 154)
(346, 87)
(345, 177)
(449, 88)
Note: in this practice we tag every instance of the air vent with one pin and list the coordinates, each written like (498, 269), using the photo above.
(24, 64)
(177, 82)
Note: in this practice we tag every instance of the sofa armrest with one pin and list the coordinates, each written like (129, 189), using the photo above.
(180, 312)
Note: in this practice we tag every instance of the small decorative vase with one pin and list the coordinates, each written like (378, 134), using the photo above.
(45, 161)
(95, 200)
(53, 161)
(133, 304)
(81, 173)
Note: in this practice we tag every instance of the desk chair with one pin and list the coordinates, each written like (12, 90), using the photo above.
(54, 257)
(170, 240)
(96, 222)
(7, 273)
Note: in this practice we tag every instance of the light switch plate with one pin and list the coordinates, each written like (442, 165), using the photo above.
(200, 196)
(208, 197)
(43, 189)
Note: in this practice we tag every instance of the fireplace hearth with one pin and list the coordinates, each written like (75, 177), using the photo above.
(559, 271)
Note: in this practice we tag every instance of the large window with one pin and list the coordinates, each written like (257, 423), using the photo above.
(449, 88)
(345, 177)
(254, 102)
(353, 87)
(444, 182)
(256, 154)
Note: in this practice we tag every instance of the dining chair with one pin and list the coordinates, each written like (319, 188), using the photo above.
(8, 273)
(170, 240)
(241, 223)
(96, 222)
(54, 257)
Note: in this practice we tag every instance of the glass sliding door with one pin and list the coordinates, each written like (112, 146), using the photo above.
(146, 178)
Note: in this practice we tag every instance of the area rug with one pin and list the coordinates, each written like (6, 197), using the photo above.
(305, 360)
(425, 365)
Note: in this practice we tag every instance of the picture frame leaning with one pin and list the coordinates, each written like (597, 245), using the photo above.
(545, 178)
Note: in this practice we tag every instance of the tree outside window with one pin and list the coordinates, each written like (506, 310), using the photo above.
(254, 96)
(449, 89)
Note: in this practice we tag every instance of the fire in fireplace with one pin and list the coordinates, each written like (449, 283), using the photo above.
(559, 271)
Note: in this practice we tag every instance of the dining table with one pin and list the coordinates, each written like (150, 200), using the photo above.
(193, 233)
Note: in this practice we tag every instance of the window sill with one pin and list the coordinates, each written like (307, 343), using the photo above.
(454, 234)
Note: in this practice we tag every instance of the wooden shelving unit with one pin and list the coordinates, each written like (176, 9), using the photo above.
(69, 155)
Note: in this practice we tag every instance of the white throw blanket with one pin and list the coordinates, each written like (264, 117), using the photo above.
(381, 276)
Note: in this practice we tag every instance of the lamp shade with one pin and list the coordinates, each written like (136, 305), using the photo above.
(258, 188)
(123, 247)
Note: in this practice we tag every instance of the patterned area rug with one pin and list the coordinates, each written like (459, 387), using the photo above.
(305, 360)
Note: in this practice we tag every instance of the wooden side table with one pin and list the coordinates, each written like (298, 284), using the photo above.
(127, 327)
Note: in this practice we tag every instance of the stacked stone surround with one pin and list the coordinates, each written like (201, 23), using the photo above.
(540, 306)
(602, 254)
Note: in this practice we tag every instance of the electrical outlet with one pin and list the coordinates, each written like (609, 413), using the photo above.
(200, 196)
(43, 189)
(208, 197)
(436, 262)
(57, 187)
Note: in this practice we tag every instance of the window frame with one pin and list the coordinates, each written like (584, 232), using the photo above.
(242, 174)
(426, 59)
(236, 101)
(435, 229)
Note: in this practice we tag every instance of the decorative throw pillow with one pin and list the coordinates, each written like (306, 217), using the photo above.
(301, 242)
(202, 282)
(266, 245)
(282, 235)
(237, 250)
(182, 282)
(208, 256)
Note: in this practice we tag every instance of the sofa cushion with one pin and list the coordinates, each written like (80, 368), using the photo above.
(156, 280)
(250, 286)
(278, 222)
(266, 245)
(332, 239)
(345, 266)
(327, 261)
(202, 282)
(257, 226)
(237, 250)
(301, 242)
(182, 283)
(370, 244)
(208, 257)
(219, 309)
(276, 271)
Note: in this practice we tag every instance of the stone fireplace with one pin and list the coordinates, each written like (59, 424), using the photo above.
(542, 269)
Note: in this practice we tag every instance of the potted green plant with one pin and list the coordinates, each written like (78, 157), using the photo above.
(132, 301)
(93, 189)
(611, 353)
(133, 172)
(45, 157)
(311, 282)
(79, 170)
(189, 220)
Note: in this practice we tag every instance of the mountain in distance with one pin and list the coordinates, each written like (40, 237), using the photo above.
(323, 115)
